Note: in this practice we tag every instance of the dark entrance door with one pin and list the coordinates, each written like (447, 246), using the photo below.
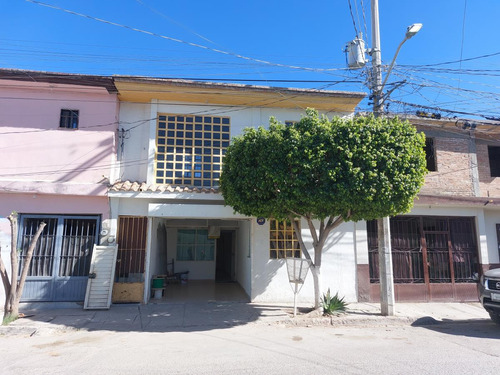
(224, 269)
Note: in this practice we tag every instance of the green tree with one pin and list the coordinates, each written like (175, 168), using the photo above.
(324, 172)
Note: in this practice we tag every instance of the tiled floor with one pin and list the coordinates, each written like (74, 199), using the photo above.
(203, 291)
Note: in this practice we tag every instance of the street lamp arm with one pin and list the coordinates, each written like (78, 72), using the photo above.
(392, 65)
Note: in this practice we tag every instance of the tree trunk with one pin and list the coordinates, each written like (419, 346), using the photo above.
(5, 282)
(14, 270)
(316, 273)
(14, 289)
(318, 244)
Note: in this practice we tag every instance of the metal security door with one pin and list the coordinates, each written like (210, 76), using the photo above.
(61, 261)
(434, 258)
(131, 259)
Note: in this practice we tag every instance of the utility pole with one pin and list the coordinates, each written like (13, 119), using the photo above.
(376, 54)
(387, 300)
(356, 59)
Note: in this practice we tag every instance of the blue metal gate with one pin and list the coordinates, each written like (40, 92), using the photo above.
(61, 261)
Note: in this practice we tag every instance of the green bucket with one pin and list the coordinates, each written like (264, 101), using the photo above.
(157, 283)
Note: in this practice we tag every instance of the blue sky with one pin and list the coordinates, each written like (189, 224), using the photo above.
(308, 34)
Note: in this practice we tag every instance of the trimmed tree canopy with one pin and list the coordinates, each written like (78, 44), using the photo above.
(361, 168)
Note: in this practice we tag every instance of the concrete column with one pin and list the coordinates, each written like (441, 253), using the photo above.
(385, 267)
(147, 276)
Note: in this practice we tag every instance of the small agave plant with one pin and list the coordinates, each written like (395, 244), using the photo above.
(334, 304)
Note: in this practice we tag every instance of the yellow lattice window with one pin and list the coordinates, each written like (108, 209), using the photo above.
(283, 241)
(189, 149)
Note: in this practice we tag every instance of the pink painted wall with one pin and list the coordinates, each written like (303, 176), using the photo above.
(53, 204)
(38, 156)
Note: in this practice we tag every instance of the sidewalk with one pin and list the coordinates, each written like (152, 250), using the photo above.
(186, 317)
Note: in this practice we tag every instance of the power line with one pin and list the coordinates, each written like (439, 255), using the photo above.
(352, 17)
(455, 61)
(434, 108)
(154, 10)
(364, 18)
(239, 56)
(462, 41)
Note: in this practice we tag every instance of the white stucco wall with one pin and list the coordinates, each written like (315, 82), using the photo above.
(338, 270)
(134, 141)
(492, 218)
(4, 252)
(361, 242)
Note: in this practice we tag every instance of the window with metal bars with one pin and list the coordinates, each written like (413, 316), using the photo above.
(69, 119)
(64, 247)
(283, 242)
(79, 237)
(190, 149)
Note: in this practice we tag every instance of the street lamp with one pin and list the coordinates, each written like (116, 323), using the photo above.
(410, 32)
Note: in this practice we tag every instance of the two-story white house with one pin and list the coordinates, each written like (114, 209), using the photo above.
(167, 212)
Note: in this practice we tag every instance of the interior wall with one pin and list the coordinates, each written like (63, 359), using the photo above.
(158, 256)
(202, 270)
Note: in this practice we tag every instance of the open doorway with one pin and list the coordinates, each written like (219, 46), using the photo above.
(224, 269)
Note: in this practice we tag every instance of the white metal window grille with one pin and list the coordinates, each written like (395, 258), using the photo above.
(194, 244)
(190, 149)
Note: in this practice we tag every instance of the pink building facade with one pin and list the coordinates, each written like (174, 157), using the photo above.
(58, 141)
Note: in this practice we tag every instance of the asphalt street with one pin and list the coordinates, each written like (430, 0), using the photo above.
(261, 348)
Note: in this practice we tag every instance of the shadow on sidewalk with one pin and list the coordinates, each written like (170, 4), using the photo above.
(185, 317)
